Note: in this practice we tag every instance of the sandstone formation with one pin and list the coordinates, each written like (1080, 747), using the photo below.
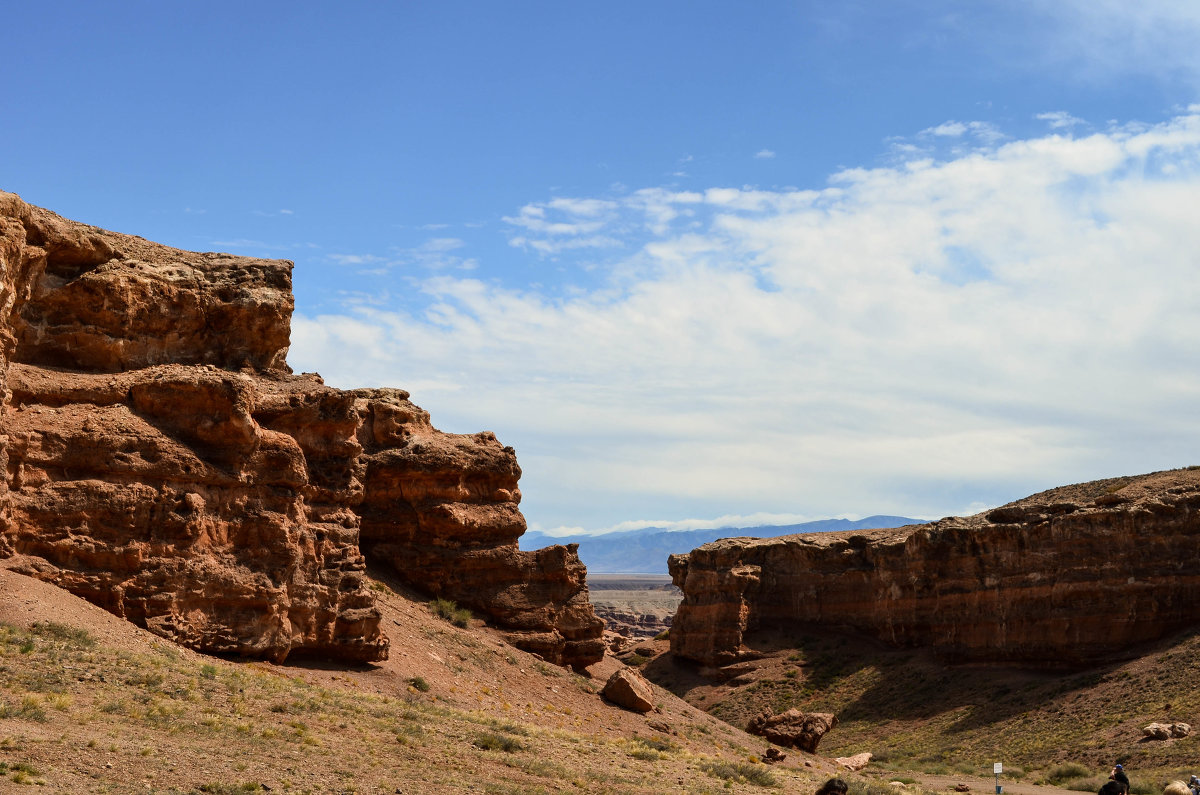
(163, 461)
(1064, 578)
(793, 728)
(441, 509)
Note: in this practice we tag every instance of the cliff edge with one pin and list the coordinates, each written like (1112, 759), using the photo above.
(162, 461)
(1068, 577)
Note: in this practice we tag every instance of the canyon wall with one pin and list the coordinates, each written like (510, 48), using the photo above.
(1068, 577)
(162, 460)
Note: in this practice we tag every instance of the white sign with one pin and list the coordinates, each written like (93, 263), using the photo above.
(998, 768)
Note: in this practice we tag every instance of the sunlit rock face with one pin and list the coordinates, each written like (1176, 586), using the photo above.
(1064, 578)
(163, 461)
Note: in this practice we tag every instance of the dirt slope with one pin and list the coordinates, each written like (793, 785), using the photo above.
(91, 704)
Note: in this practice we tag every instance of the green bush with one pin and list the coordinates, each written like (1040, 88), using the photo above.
(491, 741)
(447, 609)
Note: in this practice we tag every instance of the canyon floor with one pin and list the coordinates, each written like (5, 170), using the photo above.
(91, 704)
(926, 720)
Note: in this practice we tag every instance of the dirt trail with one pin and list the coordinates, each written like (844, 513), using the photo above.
(985, 786)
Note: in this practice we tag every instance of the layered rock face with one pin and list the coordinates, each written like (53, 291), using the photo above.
(1065, 578)
(162, 461)
(442, 510)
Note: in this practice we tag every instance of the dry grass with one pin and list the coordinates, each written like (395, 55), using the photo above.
(916, 714)
(455, 710)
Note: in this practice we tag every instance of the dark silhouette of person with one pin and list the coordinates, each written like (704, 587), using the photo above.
(834, 786)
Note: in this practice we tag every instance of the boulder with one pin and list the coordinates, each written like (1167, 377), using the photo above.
(628, 689)
(793, 728)
(1166, 731)
(856, 762)
(1157, 731)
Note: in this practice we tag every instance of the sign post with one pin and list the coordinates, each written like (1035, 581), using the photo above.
(998, 768)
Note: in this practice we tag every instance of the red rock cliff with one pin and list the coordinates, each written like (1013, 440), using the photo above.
(162, 461)
(1063, 578)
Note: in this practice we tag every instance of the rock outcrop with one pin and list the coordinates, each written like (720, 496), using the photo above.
(442, 509)
(1065, 578)
(163, 461)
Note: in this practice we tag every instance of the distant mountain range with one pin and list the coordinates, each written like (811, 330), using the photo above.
(645, 551)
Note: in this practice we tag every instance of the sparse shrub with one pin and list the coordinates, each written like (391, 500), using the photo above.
(447, 609)
(664, 635)
(491, 741)
(635, 660)
(740, 772)
(651, 749)
(52, 630)
(865, 787)
(1066, 772)
(419, 683)
(30, 709)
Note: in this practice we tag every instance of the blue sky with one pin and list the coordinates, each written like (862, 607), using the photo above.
(701, 263)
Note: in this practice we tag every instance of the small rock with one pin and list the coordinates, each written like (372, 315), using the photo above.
(774, 755)
(962, 788)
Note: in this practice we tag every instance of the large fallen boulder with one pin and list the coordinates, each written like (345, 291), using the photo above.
(629, 689)
(793, 728)
(1166, 731)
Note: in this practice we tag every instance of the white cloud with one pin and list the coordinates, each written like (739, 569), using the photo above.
(952, 129)
(764, 154)
(907, 340)
(1060, 120)
(355, 259)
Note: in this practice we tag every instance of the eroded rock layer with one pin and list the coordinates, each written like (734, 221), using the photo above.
(162, 461)
(442, 509)
(1064, 578)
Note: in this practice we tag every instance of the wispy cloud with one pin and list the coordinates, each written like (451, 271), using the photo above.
(912, 339)
(764, 154)
(1060, 120)
(1097, 39)
(355, 259)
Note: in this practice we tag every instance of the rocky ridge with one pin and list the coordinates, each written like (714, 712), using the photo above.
(1064, 578)
(163, 461)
